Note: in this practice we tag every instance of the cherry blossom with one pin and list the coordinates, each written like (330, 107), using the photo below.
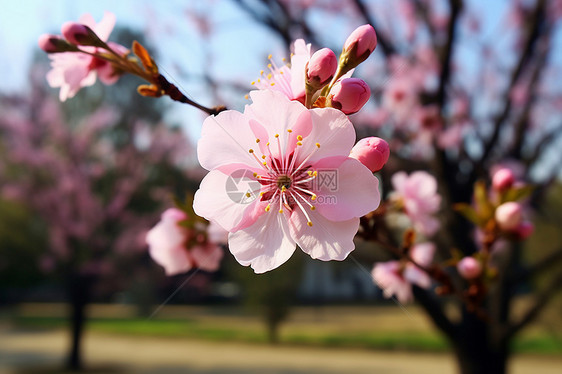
(288, 80)
(74, 70)
(396, 278)
(178, 248)
(418, 196)
(300, 186)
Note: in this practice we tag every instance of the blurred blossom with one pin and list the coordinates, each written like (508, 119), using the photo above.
(417, 195)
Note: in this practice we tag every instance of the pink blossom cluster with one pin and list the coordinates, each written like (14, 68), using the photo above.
(322, 75)
(416, 194)
(396, 278)
(73, 65)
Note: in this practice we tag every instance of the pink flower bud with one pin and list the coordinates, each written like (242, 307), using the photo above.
(503, 179)
(322, 66)
(469, 268)
(508, 216)
(79, 34)
(524, 230)
(363, 39)
(349, 95)
(372, 152)
(46, 43)
(53, 44)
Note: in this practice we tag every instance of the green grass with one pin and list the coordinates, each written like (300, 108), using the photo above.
(182, 328)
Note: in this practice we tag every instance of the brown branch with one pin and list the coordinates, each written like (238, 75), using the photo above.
(547, 139)
(533, 26)
(435, 311)
(456, 8)
(523, 123)
(541, 302)
(382, 41)
(175, 94)
(538, 267)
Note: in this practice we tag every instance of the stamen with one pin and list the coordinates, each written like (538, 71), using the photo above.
(267, 208)
(257, 140)
(309, 223)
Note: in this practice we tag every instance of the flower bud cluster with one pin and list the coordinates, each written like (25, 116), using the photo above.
(328, 81)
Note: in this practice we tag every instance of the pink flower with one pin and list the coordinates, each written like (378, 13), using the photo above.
(349, 95)
(321, 67)
(168, 240)
(396, 278)
(509, 216)
(363, 39)
(74, 70)
(469, 268)
(372, 152)
(503, 179)
(288, 80)
(418, 195)
(280, 175)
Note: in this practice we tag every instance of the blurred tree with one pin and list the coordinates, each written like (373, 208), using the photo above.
(458, 91)
(96, 175)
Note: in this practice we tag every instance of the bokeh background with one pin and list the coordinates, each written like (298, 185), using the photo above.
(81, 183)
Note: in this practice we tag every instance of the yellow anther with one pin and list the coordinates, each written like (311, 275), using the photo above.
(309, 173)
(246, 97)
(269, 76)
(281, 72)
(289, 131)
(312, 207)
(309, 224)
(299, 143)
(315, 173)
(267, 144)
(263, 156)
(299, 138)
(248, 194)
(257, 140)
(261, 72)
(269, 57)
(276, 135)
(313, 197)
(267, 208)
(292, 54)
(283, 59)
(262, 193)
(269, 66)
(259, 80)
(280, 210)
(272, 83)
(318, 145)
(283, 188)
(265, 164)
(255, 175)
(251, 150)
(253, 82)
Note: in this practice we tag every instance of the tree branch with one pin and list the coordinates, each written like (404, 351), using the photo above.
(456, 8)
(542, 300)
(538, 267)
(436, 313)
(533, 27)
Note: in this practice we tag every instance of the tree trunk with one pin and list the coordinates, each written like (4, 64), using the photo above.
(478, 350)
(79, 291)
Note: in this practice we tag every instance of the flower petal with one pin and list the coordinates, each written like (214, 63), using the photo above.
(345, 189)
(332, 130)
(324, 240)
(226, 138)
(220, 199)
(284, 115)
(265, 245)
